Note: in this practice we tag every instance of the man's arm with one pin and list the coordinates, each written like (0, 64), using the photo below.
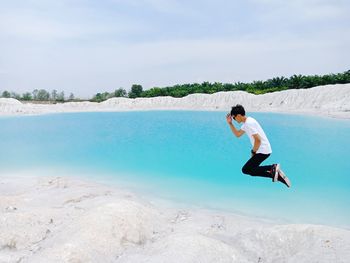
(236, 132)
(257, 142)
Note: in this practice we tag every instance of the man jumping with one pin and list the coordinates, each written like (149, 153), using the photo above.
(261, 147)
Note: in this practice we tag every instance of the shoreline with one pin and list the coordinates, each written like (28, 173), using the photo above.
(60, 218)
(330, 101)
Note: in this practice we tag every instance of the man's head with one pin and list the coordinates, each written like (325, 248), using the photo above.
(238, 113)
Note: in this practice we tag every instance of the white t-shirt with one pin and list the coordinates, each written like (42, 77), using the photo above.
(251, 126)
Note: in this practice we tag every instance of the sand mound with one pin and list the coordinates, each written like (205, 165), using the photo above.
(56, 219)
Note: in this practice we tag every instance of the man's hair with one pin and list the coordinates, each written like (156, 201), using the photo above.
(238, 109)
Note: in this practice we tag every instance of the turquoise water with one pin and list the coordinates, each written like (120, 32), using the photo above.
(192, 157)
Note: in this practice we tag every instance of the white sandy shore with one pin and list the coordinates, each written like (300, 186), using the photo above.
(330, 100)
(60, 219)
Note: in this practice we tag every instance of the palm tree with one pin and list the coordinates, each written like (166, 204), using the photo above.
(295, 82)
(277, 82)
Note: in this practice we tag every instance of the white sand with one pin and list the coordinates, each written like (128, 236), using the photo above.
(59, 219)
(330, 100)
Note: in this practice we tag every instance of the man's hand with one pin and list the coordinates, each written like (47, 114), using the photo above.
(229, 118)
(237, 133)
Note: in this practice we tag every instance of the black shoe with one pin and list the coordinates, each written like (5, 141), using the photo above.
(283, 178)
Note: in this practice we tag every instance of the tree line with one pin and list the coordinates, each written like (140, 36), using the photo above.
(255, 87)
(39, 95)
(178, 91)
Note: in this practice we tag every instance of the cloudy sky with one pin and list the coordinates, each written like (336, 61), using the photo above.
(90, 46)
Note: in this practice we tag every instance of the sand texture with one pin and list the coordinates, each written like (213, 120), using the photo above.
(60, 219)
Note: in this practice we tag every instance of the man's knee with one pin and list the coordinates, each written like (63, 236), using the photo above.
(246, 170)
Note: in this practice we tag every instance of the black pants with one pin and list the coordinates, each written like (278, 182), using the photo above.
(253, 168)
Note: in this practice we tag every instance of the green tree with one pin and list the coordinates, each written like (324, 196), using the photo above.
(295, 82)
(60, 97)
(97, 98)
(27, 96)
(277, 82)
(71, 96)
(54, 95)
(35, 94)
(6, 94)
(136, 91)
(120, 93)
(15, 95)
(43, 95)
(101, 97)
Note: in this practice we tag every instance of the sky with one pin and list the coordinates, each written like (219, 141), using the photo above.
(85, 46)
